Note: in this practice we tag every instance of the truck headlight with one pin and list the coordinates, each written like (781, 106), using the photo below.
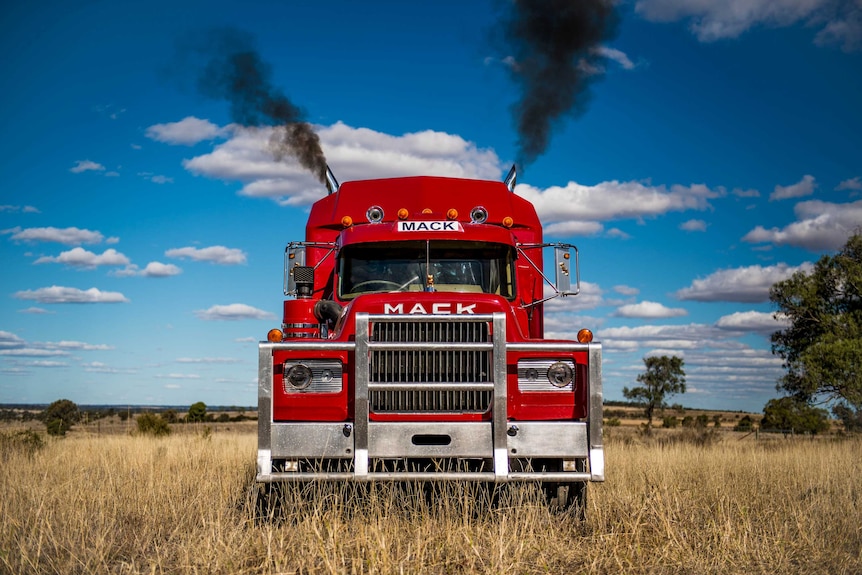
(313, 376)
(560, 374)
(298, 376)
(546, 375)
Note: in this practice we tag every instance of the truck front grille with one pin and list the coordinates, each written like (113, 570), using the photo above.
(434, 370)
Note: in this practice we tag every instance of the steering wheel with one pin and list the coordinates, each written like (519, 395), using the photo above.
(384, 284)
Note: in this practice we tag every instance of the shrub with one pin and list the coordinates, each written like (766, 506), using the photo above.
(60, 416)
(25, 441)
(670, 422)
(152, 424)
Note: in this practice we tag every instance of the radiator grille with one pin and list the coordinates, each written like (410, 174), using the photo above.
(453, 371)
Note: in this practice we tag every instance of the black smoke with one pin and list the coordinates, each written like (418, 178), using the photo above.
(556, 51)
(230, 69)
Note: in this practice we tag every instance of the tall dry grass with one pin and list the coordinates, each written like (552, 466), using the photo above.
(121, 504)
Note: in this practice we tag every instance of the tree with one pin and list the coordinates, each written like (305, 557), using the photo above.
(791, 415)
(663, 378)
(197, 412)
(850, 418)
(60, 416)
(822, 345)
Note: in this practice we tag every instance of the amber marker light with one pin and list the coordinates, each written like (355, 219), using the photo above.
(275, 336)
(426, 211)
(403, 213)
(452, 214)
(508, 222)
(346, 221)
(585, 336)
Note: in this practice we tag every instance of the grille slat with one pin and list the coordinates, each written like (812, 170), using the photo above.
(456, 366)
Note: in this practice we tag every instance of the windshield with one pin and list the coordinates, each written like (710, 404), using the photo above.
(476, 267)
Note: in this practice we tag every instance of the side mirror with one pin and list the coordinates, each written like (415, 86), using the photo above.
(294, 257)
(565, 266)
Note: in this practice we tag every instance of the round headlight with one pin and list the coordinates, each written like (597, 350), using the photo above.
(560, 374)
(299, 376)
(374, 214)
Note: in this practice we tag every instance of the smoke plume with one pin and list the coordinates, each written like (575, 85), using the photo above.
(234, 71)
(556, 45)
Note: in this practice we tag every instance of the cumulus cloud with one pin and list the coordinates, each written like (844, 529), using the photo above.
(215, 254)
(745, 285)
(576, 206)
(851, 184)
(160, 270)
(86, 166)
(60, 294)
(648, 309)
(752, 321)
(820, 226)
(234, 311)
(79, 257)
(693, 226)
(68, 236)
(353, 153)
(186, 132)
(839, 21)
(802, 188)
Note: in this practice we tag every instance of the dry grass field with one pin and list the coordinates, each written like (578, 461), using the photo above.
(129, 504)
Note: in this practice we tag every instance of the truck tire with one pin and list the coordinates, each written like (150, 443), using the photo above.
(567, 497)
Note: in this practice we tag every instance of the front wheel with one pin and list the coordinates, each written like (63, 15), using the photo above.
(564, 497)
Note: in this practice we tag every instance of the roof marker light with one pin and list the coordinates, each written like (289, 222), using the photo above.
(452, 214)
(403, 213)
(585, 336)
(346, 221)
(508, 222)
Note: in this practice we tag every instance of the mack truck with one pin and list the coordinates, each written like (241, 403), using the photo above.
(412, 345)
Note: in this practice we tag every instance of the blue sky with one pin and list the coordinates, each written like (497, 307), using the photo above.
(142, 232)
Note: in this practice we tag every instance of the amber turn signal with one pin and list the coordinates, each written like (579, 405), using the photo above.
(452, 214)
(274, 335)
(403, 213)
(585, 336)
(508, 222)
(346, 221)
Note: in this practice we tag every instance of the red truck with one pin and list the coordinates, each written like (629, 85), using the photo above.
(412, 345)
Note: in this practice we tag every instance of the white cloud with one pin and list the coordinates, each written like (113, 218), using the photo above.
(86, 166)
(208, 360)
(160, 270)
(840, 21)
(802, 188)
(79, 257)
(626, 290)
(215, 254)
(23, 209)
(34, 310)
(186, 132)
(851, 184)
(617, 56)
(234, 311)
(693, 226)
(577, 204)
(68, 236)
(746, 284)
(820, 226)
(752, 321)
(353, 154)
(59, 294)
(649, 309)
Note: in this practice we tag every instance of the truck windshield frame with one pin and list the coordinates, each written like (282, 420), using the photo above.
(426, 265)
